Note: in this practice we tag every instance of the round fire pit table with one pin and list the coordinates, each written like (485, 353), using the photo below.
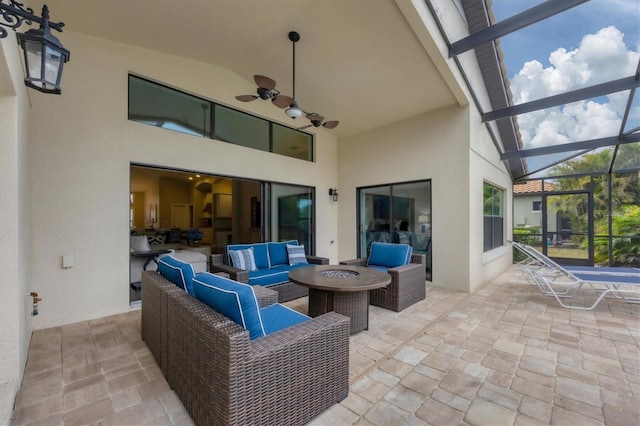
(340, 288)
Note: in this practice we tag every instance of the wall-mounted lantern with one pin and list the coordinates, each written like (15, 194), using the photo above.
(333, 192)
(44, 55)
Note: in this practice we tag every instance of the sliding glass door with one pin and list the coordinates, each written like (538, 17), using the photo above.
(291, 214)
(396, 213)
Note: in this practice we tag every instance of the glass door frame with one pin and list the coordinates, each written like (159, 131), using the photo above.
(276, 195)
(419, 218)
(589, 233)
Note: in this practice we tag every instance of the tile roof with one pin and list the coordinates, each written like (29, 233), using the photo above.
(533, 187)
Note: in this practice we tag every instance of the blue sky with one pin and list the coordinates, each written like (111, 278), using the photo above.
(592, 43)
(565, 29)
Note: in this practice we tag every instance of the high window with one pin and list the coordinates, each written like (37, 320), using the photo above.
(161, 106)
(493, 216)
(536, 206)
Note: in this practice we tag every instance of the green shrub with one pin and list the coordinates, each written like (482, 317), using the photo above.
(524, 236)
(625, 225)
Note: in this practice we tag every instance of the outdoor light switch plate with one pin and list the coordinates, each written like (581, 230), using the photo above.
(67, 261)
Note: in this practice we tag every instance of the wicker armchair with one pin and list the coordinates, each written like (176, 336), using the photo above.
(286, 291)
(224, 378)
(407, 284)
(154, 315)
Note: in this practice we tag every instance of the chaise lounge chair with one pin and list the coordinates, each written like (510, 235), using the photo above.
(563, 282)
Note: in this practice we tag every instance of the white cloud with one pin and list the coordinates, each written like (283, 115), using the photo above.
(600, 57)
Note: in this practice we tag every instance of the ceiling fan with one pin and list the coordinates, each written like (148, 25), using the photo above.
(267, 90)
(317, 120)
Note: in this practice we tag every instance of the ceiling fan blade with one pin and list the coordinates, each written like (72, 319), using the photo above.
(282, 101)
(246, 98)
(314, 117)
(331, 124)
(304, 127)
(264, 82)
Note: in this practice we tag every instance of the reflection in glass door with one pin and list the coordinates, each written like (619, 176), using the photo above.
(398, 213)
(568, 227)
(292, 215)
(375, 217)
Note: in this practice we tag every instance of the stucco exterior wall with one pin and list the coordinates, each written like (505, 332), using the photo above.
(430, 146)
(15, 225)
(523, 210)
(485, 166)
(83, 145)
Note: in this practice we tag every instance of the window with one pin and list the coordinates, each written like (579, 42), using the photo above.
(493, 216)
(292, 143)
(161, 106)
(241, 129)
(536, 206)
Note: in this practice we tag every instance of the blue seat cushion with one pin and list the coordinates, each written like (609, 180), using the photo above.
(389, 255)
(236, 301)
(277, 317)
(178, 272)
(276, 275)
(278, 252)
(260, 253)
(380, 268)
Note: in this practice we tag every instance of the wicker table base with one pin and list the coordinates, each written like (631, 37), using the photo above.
(342, 289)
(355, 305)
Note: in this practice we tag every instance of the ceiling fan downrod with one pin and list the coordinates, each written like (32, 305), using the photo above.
(294, 110)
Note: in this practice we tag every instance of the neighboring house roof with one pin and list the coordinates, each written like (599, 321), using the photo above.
(532, 187)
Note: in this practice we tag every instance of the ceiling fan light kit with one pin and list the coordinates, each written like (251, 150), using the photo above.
(267, 91)
(293, 111)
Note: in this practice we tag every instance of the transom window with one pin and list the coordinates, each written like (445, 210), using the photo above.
(161, 106)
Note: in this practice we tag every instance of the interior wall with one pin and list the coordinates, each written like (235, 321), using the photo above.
(82, 150)
(430, 146)
(171, 192)
(15, 225)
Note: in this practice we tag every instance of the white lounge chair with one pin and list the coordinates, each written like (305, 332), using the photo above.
(564, 282)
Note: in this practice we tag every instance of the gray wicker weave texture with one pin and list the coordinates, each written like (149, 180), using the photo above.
(223, 378)
(408, 284)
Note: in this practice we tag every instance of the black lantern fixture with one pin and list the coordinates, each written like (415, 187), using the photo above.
(333, 192)
(44, 55)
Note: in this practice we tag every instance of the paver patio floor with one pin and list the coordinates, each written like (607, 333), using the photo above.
(505, 355)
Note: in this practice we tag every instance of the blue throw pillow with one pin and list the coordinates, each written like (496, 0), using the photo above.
(243, 259)
(178, 272)
(297, 256)
(389, 255)
(278, 252)
(236, 301)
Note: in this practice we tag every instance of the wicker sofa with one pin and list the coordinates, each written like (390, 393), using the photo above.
(273, 268)
(407, 285)
(224, 378)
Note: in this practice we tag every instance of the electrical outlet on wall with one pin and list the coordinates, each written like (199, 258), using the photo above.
(67, 261)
